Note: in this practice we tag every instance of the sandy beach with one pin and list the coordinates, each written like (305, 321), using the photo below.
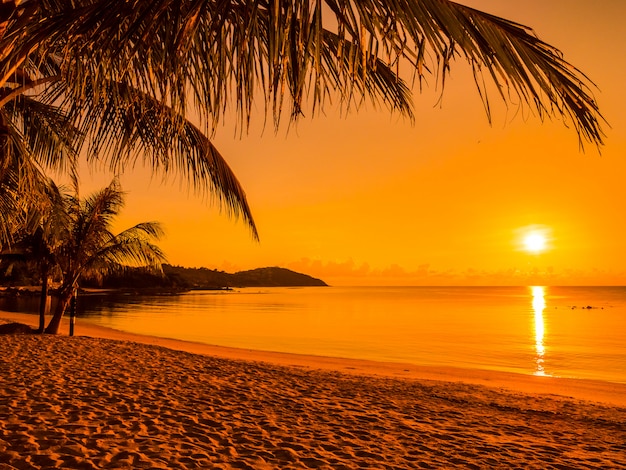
(107, 399)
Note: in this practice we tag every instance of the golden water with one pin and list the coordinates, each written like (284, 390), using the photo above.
(560, 331)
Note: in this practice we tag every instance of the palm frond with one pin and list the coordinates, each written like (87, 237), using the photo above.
(134, 68)
(132, 250)
(91, 248)
(23, 183)
(94, 218)
(47, 132)
(229, 51)
(124, 125)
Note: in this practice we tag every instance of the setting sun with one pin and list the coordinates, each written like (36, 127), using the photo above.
(535, 242)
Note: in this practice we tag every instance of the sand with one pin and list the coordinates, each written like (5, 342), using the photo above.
(106, 399)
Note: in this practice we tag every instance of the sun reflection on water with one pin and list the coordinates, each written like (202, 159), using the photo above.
(539, 304)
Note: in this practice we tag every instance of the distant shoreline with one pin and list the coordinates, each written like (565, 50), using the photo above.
(175, 279)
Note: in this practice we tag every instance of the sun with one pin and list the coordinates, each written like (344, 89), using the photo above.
(535, 242)
(534, 239)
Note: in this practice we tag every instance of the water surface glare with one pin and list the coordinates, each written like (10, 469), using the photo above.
(554, 331)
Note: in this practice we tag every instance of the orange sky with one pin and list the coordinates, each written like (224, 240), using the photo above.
(371, 199)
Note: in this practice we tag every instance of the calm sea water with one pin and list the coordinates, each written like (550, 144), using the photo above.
(559, 331)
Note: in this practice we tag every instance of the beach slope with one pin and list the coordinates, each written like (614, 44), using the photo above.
(87, 402)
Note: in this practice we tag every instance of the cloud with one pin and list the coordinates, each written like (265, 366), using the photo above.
(331, 268)
(348, 272)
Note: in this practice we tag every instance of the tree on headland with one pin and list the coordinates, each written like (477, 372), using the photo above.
(89, 248)
(128, 74)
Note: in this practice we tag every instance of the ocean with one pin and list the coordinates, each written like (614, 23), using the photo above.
(555, 331)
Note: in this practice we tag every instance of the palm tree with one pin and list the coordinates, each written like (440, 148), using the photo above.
(90, 248)
(36, 230)
(45, 225)
(129, 73)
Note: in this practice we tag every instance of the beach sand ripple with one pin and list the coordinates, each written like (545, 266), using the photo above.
(89, 403)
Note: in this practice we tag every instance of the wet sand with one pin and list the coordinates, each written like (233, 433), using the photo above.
(107, 399)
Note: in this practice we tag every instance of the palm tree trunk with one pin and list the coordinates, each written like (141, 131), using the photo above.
(43, 301)
(73, 311)
(65, 295)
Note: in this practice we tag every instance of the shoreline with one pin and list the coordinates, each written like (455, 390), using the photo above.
(581, 389)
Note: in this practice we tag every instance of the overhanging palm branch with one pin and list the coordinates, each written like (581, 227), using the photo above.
(47, 133)
(123, 124)
(226, 52)
(35, 137)
(138, 56)
(120, 125)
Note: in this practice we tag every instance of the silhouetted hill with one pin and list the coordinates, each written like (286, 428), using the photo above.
(178, 277)
(274, 277)
(175, 278)
(203, 278)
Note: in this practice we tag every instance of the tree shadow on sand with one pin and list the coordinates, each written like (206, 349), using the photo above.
(15, 328)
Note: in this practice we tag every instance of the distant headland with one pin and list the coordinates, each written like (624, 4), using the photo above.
(200, 278)
(178, 277)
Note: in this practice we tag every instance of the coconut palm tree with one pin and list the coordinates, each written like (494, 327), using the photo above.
(89, 248)
(35, 232)
(130, 73)
(44, 228)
